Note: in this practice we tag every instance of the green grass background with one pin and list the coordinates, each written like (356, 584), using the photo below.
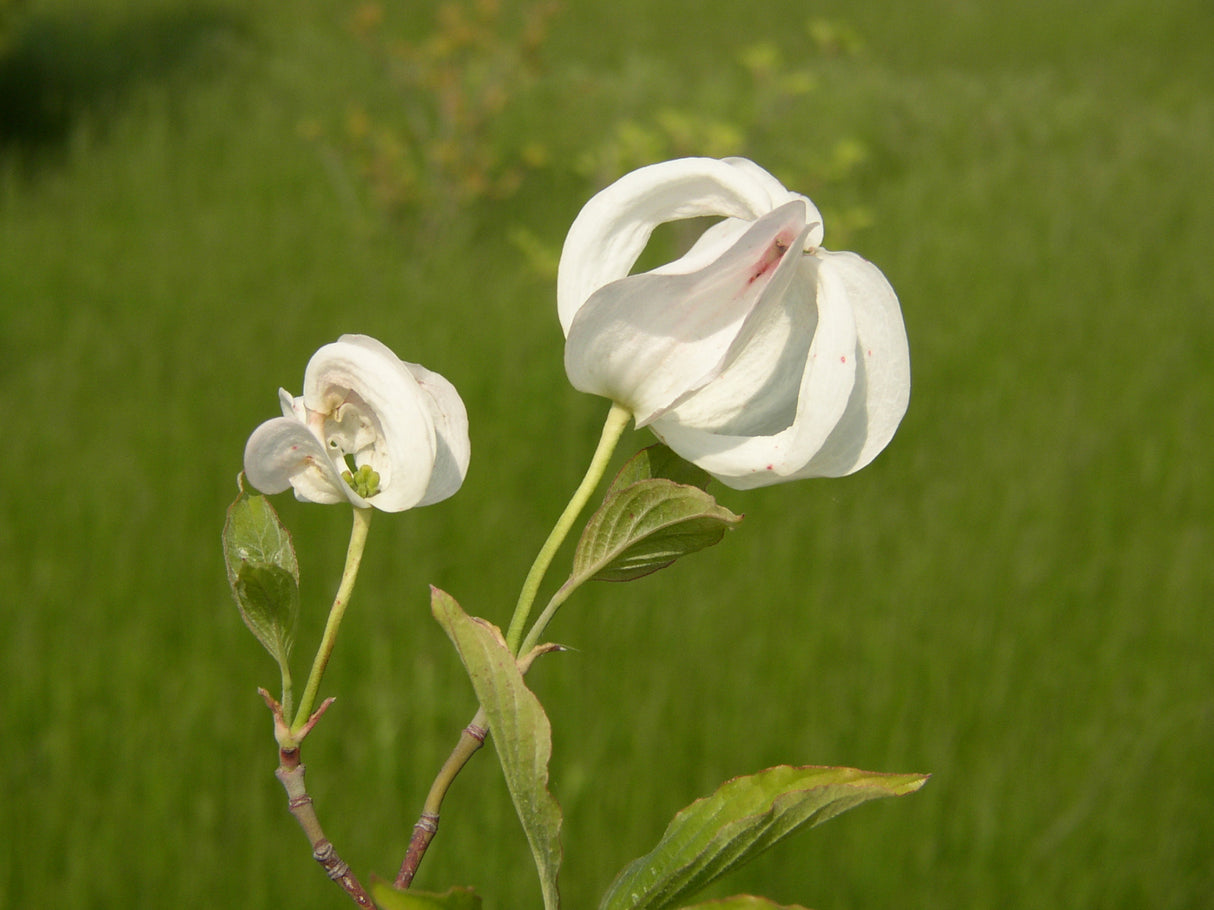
(1015, 597)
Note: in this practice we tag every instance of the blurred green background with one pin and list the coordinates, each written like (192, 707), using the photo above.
(1015, 596)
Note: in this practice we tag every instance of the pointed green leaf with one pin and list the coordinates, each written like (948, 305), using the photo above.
(738, 822)
(520, 728)
(262, 571)
(646, 526)
(743, 902)
(658, 461)
(389, 897)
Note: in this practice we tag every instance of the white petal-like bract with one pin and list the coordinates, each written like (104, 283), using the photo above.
(363, 407)
(758, 355)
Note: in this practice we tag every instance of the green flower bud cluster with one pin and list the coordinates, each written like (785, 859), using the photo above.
(364, 481)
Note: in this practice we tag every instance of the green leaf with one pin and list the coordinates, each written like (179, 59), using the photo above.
(645, 526)
(262, 571)
(658, 461)
(521, 732)
(743, 902)
(738, 822)
(389, 897)
(268, 598)
(254, 531)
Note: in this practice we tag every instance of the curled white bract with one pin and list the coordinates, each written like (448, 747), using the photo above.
(364, 407)
(758, 355)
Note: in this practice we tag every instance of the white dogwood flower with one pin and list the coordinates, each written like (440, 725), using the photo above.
(369, 429)
(758, 355)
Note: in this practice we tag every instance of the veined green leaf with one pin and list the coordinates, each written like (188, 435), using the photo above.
(646, 526)
(268, 598)
(739, 821)
(521, 732)
(262, 571)
(658, 461)
(388, 897)
(253, 532)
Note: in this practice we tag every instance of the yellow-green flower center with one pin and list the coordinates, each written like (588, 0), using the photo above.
(363, 481)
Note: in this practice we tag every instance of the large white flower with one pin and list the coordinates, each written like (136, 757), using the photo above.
(364, 409)
(758, 355)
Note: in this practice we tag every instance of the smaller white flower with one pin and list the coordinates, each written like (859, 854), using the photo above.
(366, 419)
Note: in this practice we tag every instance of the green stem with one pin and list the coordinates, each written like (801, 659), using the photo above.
(470, 740)
(288, 693)
(533, 637)
(613, 429)
(354, 555)
(473, 735)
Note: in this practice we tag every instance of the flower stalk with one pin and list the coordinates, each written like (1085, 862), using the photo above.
(613, 429)
(349, 575)
(473, 736)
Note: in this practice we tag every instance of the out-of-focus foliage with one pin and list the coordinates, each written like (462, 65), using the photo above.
(448, 142)
(454, 131)
(8, 14)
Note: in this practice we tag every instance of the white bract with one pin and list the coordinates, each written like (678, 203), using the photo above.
(367, 413)
(758, 355)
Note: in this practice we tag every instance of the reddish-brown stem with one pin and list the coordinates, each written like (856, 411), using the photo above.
(300, 804)
(423, 833)
(290, 774)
